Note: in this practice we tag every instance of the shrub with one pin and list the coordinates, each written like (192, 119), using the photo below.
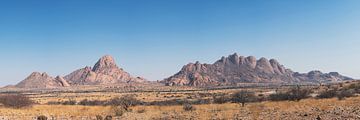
(244, 97)
(142, 110)
(87, 102)
(69, 102)
(279, 96)
(345, 94)
(99, 117)
(188, 107)
(327, 94)
(125, 102)
(42, 117)
(168, 102)
(54, 103)
(118, 110)
(109, 117)
(294, 94)
(15, 101)
(221, 99)
(354, 86)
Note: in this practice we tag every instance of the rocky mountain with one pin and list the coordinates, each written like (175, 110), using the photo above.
(239, 69)
(42, 80)
(104, 72)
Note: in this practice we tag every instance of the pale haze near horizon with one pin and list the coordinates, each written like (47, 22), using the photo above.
(155, 39)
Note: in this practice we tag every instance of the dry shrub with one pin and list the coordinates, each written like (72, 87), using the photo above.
(69, 102)
(188, 107)
(345, 94)
(99, 117)
(244, 97)
(118, 110)
(109, 117)
(42, 117)
(15, 101)
(327, 94)
(87, 102)
(294, 94)
(125, 102)
(221, 99)
(141, 110)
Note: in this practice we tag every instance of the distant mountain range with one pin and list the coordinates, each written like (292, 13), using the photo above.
(236, 69)
(229, 70)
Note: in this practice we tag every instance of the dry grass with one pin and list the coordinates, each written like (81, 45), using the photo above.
(208, 111)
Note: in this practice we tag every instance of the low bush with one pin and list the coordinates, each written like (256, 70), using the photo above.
(345, 94)
(69, 102)
(87, 102)
(142, 110)
(99, 117)
(109, 117)
(327, 94)
(15, 101)
(168, 102)
(125, 102)
(221, 99)
(294, 94)
(118, 110)
(188, 107)
(42, 117)
(244, 97)
(280, 96)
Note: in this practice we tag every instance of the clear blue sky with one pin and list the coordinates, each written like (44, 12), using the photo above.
(155, 38)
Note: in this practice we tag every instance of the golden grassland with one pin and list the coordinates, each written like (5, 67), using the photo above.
(261, 110)
(43, 98)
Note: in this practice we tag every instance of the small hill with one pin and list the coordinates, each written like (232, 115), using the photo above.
(42, 80)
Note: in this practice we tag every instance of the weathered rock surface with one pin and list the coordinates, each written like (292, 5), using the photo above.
(104, 72)
(239, 69)
(42, 80)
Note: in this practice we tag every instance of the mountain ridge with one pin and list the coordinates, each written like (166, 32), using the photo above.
(236, 69)
(104, 72)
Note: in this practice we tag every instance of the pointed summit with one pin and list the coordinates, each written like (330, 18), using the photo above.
(104, 72)
(104, 62)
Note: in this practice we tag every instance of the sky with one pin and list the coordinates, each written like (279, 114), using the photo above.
(155, 38)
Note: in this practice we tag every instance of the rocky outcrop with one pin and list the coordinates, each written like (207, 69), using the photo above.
(42, 80)
(104, 72)
(236, 69)
(62, 81)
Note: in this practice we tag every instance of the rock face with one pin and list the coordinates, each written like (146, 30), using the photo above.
(42, 80)
(239, 69)
(104, 72)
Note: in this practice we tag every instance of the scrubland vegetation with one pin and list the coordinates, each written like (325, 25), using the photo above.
(216, 104)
